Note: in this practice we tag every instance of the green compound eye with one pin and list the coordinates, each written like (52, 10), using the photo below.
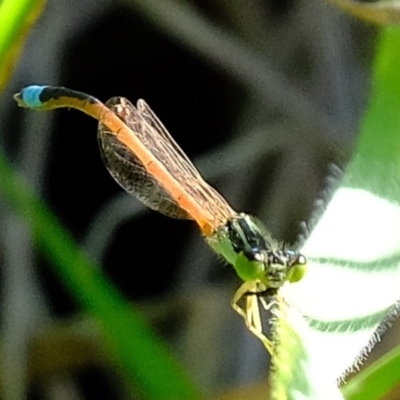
(248, 270)
(298, 269)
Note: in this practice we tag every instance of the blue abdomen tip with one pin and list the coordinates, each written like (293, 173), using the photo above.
(31, 95)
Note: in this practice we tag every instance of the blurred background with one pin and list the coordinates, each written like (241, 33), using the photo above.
(263, 95)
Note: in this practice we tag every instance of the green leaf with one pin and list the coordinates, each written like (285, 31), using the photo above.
(380, 131)
(351, 289)
(16, 19)
(297, 372)
(377, 380)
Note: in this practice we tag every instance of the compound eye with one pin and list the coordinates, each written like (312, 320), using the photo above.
(259, 256)
(301, 260)
(298, 269)
(249, 270)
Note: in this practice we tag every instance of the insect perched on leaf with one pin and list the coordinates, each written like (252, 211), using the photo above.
(146, 161)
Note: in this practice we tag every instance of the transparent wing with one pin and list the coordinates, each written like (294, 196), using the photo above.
(130, 173)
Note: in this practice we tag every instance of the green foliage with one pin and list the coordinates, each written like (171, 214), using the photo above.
(16, 19)
(351, 289)
(377, 380)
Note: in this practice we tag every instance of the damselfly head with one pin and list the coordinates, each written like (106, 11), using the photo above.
(260, 257)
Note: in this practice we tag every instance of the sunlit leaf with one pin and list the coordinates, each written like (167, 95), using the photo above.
(348, 297)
